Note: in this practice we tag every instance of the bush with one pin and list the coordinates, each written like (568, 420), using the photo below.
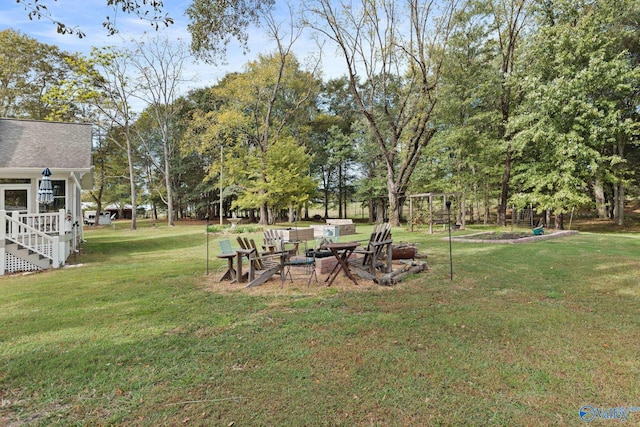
(246, 229)
(215, 229)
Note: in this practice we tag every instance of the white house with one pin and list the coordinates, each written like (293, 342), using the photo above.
(35, 235)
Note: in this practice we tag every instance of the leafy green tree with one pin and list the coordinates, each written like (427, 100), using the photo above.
(330, 139)
(104, 81)
(371, 184)
(581, 91)
(271, 100)
(461, 157)
(392, 51)
(100, 90)
(287, 182)
(321, 169)
(159, 66)
(509, 20)
(341, 157)
(215, 23)
(28, 70)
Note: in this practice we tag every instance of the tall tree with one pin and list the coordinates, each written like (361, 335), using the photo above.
(331, 142)
(581, 94)
(371, 187)
(113, 94)
(509, 19)
(462, 157)
(276, 97)
(270, 101)
(159, 66)
(396, 47)
(28, 69)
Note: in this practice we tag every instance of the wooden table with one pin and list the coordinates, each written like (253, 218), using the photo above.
(342, 252)
(230, 274)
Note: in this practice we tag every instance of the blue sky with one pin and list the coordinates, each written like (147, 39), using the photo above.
(89, 15)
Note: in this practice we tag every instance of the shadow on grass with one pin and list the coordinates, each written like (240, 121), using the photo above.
(145, 241)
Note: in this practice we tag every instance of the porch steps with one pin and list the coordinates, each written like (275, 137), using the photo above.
(27, 255)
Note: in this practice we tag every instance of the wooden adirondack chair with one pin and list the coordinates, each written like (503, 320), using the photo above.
(229, 254)
(379, 245)
(266, 264)
(274, 242)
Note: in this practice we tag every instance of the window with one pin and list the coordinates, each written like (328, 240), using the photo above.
(59, 190)
(16, 200)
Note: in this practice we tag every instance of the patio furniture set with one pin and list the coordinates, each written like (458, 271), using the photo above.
(282, 255)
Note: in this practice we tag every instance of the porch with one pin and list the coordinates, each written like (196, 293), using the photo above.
(36, 241)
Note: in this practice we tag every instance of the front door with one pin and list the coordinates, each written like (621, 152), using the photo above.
(15, 198)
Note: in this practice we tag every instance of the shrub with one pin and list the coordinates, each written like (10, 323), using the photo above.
(246, 229)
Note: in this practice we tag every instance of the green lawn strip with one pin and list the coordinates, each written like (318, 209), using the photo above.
(525, 334)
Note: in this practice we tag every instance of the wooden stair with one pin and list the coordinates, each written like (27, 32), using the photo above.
(27, 255)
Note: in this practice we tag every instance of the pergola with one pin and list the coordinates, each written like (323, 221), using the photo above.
(439, 216)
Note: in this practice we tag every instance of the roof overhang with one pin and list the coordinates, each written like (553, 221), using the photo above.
(84, 176)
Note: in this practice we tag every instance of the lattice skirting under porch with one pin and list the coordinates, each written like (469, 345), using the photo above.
(15, 264)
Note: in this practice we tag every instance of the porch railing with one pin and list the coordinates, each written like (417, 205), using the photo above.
(46, 222)
(39, 233)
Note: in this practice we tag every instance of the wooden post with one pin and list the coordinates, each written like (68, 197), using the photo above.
(411, 213)
(430, 214)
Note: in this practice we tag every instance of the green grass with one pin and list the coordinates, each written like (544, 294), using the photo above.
(524, 335)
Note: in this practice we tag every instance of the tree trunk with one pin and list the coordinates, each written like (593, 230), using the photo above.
(340, 191)
(291, 213)
(620, 193)
(463, 212)
(371, 209)
(504, 190)
(264, 215)
(618, 211)
(132, 183)
(394, 199)
(601, 202)
(380, 211)
(167, 182)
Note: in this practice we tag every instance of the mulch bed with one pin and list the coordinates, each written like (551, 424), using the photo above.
(275, 286)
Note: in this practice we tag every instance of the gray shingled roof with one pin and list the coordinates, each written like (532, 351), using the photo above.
(39, 144)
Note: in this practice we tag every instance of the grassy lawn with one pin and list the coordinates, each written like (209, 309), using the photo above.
(139, 335)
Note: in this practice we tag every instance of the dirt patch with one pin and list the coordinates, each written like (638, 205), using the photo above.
(275, 286)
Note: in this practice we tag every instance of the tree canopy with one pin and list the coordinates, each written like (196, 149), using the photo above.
(509, 103)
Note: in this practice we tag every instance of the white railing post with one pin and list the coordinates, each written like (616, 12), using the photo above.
(3, 228)
(61, 219)
(55, 252)
(61, 243)
(13, 230)
(3, 220)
